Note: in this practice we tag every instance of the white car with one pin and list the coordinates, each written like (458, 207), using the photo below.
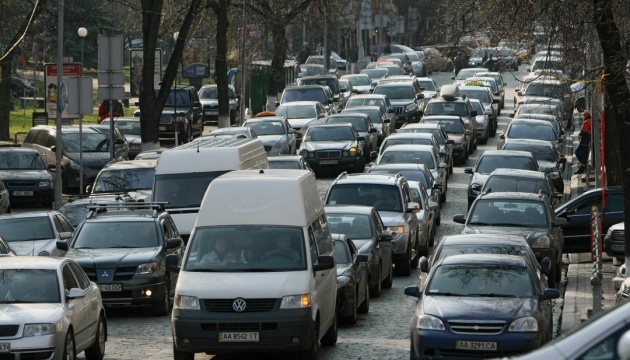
(50, 310)
(275, 132)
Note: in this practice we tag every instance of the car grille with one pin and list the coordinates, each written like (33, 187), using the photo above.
(125, 294)
(476, 327)
(120, 274)
(253, 305)
(334, 154)
(239, 327)
(618, 236)
(21, 183)
(211, 107)
(9, 330)
(399, 110)
(472, 354)
(166, 120)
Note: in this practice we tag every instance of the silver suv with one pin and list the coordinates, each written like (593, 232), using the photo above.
(391, 197)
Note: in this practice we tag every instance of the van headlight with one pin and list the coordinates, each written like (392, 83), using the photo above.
(185, 302)
(526, 324)
(296, 301)
(542, 242)
(39, 329)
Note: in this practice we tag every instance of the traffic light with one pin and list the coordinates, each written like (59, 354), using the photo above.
(376, 30)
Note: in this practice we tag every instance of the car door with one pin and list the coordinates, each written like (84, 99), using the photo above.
(361, 273)
(372, 135)
(325, 280)
(291, 139)
(410, 218)
(91, 300)
(77, 308)
(577, 236)
(384, 247)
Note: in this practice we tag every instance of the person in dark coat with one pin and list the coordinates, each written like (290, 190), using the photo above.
(583, 149)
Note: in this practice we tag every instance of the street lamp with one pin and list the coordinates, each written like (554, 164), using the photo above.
(175, 124)
(82, 32)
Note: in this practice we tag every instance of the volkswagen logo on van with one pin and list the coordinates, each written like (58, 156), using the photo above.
(239, 305)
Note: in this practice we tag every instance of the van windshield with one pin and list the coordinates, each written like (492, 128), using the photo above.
(246, 248)
(183, 191)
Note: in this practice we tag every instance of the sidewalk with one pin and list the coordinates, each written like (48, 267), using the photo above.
(577, 305)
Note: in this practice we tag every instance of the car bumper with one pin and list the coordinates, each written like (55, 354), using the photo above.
(441, 344)
(278, 330)
(401, 119)
(25, 194)
(135, 294)
(37, 347)
(399, 246)
(614, 248)
(349, 164)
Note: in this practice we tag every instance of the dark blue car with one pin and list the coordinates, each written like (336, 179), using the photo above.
(480, 305)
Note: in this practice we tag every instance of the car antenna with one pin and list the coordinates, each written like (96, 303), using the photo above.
(198, 146)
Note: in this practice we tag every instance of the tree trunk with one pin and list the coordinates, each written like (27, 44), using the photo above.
(221, 10)
(5, 93)
(276, 84)
(614, 173)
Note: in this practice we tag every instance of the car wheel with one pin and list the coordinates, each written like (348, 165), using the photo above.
(330, 337)
(69, 349)
(443, 197)
(437, 222)
(163, 306)
(403, 267)
(365, 305)
(493, 130)
(180, 355)
(389, 280)
(376, 290)
(97, 350)
(311, 353)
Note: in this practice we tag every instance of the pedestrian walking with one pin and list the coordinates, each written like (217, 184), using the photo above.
(460, 62)
(583, 149)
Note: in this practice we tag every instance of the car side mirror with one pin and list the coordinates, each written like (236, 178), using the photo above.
(459, 218)
(362, 258)
(545, 265)
(172, 263)
(424, 264)
(443, 165)
(476, 187)
(562, 160)
(528, 69)
(473, 113)
(413, 291)
(324, 262)
(173, 243)
(292, 131)
(511, 115)
(442, 153)
(65, 235)
(495, 101)
(413, 207)
(549, 294)
(76, 293)
(62, 245)
(419, 96)
(372, 130)
(53, 148)
(452, 77)
(355, 91)
(52, 167)
(330, 101)
(88, 189)
(519, 92)
(468, 170)
(386, 236)
(277, 103)
(373, 155)
(433, 205)
(559, 221)
(336, 98)
(502, 136)
(450, 141)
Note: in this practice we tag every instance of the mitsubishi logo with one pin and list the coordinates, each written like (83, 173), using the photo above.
(105, 274)
(476, 327)
(239, 305)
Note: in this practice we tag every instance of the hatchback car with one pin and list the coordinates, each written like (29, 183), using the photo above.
(353, 290)
(379, 120)
(333, 147)
(277, 135)
(440, 134)
(459, 131)
(50, 310)
(485, 305)
(364, 126)
(514, 180)
(25, 178)
(35, 233)
(363, 225)
(130, 128)
(133, 177)
(546, 155)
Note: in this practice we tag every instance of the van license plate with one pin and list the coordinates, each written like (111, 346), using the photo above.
(162, 128)
(616, 247)
(476, 345)
(23, 193)
(110, 287)
(238, 337)
(327, 162)
(5, 347)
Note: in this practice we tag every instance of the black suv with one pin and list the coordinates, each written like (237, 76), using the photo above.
(326, 80)
(185, 110)
(406, 100)
(391, 197)
(307, 93)
(209, 98)
(124, 253)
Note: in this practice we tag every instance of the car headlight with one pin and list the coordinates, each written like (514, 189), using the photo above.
(44, 184)
(352, 151)
(185, 302)
(296, 301)
(411, 107)
(281, 144)
(150, 268)
(526, 324)
(304, 153)
(395, 230)
(428, 322)
(43, 253)
(342, 281)
(541, 242)
(39, 329)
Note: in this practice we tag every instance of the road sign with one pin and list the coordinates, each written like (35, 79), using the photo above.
(52, 88)
(80, 91)
(111, 92)
(110, 50)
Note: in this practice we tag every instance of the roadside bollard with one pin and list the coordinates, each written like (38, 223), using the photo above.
(596, 279)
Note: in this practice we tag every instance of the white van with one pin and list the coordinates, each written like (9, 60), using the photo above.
(182, 174)
(258, 273)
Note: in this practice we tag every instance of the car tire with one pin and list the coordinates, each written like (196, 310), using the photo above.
(364, 308)
(330, 337)
(376, 290)
(163, 306)
(311, 353)
(97, 350)
(389, 280)
(69, 348)
(403, 267)
(450, 168)
(443, 197)
(493, 130)
(181, 355)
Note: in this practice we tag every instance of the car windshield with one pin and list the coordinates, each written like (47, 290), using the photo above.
(447, 108)
(548, 90)
(477, 106)
(531, 131)
(119, 234)
(374, 115)
(411, 175)
(381, 197)
(332, 133)
(284, 164)
(304, 94)
(21, 161)
(427, 85)
(296, 111)
(354, 226)
(248, 248)
(488, 164)
(436, 133)
(354, 102)
(398, 141)
(342, 254)
(451, 126)
(499, 248)
(505, 212)
(359, 123)
(395, 92)
(212, 93)
(393, 70)
(183, 191)
(262, 128)
(29, 286)
(540, 152)
(376, 73)
(312, 69)
(126, 127)
(92, 142)
(482, 95)
(181, 100)
(26, 228)
(358, 80)
(124, 180)
(332, 83)
(535, 109)
(517, 184)
(408, 157)
(466, 73)
(481, 280)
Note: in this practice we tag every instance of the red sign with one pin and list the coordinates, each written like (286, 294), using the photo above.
(68, 70)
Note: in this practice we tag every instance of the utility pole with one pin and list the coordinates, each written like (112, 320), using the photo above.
(59, 143)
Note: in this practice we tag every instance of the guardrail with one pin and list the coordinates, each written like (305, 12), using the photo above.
(596, 257)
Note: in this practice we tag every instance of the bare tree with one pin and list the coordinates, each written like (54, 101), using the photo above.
(221, 9)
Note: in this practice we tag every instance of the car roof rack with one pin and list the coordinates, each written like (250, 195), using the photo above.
(96, 207)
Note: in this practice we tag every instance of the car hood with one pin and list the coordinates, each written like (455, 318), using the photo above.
(528, 233)
(475, 308)
(271, 139)
(481, 120)
(391, 218)
(112, 258)
(327, 145)
(478, 178)
(33, 247)
(341, 268)
(25, 174)
(547, 166)
(364, 89)
(457, 138)
(402, 102)
(91, 159)
(133, 139)
(30, 313)
(301, 122)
